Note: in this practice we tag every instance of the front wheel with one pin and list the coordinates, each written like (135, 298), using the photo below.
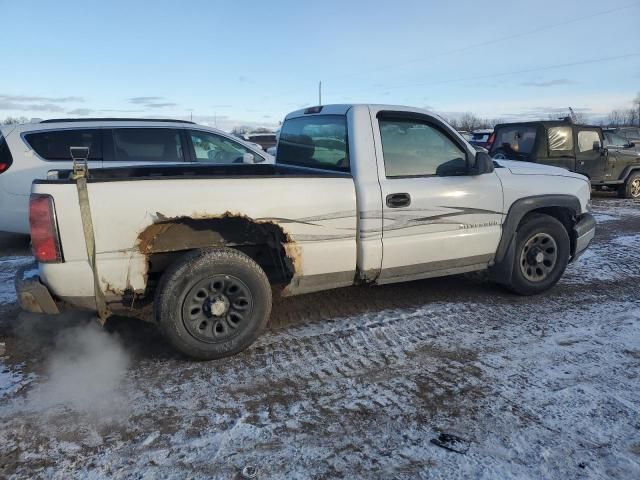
(213, 303)
(541, 254)
(631, 188)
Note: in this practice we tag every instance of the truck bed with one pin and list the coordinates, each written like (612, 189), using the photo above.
(142, 213)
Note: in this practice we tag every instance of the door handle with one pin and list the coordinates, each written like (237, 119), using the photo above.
(398, 200)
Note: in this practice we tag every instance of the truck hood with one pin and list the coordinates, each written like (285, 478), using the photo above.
(517, 167)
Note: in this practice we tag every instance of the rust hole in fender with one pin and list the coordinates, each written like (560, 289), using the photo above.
(263, 240)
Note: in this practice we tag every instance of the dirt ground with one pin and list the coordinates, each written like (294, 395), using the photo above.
(352, 383)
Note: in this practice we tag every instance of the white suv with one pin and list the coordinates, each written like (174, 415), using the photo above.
(29, 151)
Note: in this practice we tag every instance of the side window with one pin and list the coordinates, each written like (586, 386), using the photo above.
(54, 145)
(212, 148)
(412, 148)
(560, 140)
(588, 140)
(147, 145)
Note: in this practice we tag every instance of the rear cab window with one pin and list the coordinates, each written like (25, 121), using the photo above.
(317, 141)
(54, 145)
(147, 145)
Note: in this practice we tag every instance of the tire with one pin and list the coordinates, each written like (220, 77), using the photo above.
(541, 254)
(213, 303)
(499, 154)
(631, 188)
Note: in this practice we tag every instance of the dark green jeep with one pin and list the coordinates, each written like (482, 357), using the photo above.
(579, 148)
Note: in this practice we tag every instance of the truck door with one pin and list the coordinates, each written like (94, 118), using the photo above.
(437, 218)
(590, 159)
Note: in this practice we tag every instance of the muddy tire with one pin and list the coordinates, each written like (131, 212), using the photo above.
(541, 254)
(213, 303)
(631, 188)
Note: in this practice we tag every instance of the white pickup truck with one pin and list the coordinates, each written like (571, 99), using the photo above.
(359, 194)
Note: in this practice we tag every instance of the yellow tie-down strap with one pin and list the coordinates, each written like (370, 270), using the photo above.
(80, 176)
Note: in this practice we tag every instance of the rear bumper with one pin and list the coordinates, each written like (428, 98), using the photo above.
(33, 296)
(583, 233)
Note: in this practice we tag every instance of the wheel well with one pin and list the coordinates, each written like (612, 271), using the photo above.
(564, 215)
(264, 241)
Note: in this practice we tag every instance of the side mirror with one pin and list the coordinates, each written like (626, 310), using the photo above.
(483, 164)
(452, 168)
(597, 146)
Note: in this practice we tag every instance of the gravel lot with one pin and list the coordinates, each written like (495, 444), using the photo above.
(353, 383)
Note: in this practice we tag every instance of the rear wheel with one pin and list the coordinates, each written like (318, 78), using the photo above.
(213, 303)
(541, 254)
(631, 188)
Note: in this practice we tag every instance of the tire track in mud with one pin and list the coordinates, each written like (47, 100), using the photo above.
(345, 348)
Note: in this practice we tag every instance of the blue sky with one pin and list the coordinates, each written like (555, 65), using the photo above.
(251, 62)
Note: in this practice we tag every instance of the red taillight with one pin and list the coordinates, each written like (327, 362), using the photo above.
(44, 231)
(492, 137)
(4, 167)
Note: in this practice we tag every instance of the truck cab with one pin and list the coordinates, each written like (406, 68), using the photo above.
(583, 149)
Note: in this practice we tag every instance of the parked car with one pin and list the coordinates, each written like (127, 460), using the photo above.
(29, 151)
(202, 247)
(265, 140)
(481, 138)
(578, 148)
(466, 135)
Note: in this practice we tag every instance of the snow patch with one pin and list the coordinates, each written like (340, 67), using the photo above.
(8, 267)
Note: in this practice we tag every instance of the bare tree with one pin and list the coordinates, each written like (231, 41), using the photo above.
(581, 117)
(14, 120)
(469, 122)
(240, 130)
(616, 118)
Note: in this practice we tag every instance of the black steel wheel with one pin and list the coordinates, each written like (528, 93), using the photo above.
(542, 252)
(216, 308)
(213, 303)
(538, 257)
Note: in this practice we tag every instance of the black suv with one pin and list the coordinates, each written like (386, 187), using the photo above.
(579, 148)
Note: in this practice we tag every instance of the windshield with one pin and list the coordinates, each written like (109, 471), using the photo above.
(318, 141)
(514, 141)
